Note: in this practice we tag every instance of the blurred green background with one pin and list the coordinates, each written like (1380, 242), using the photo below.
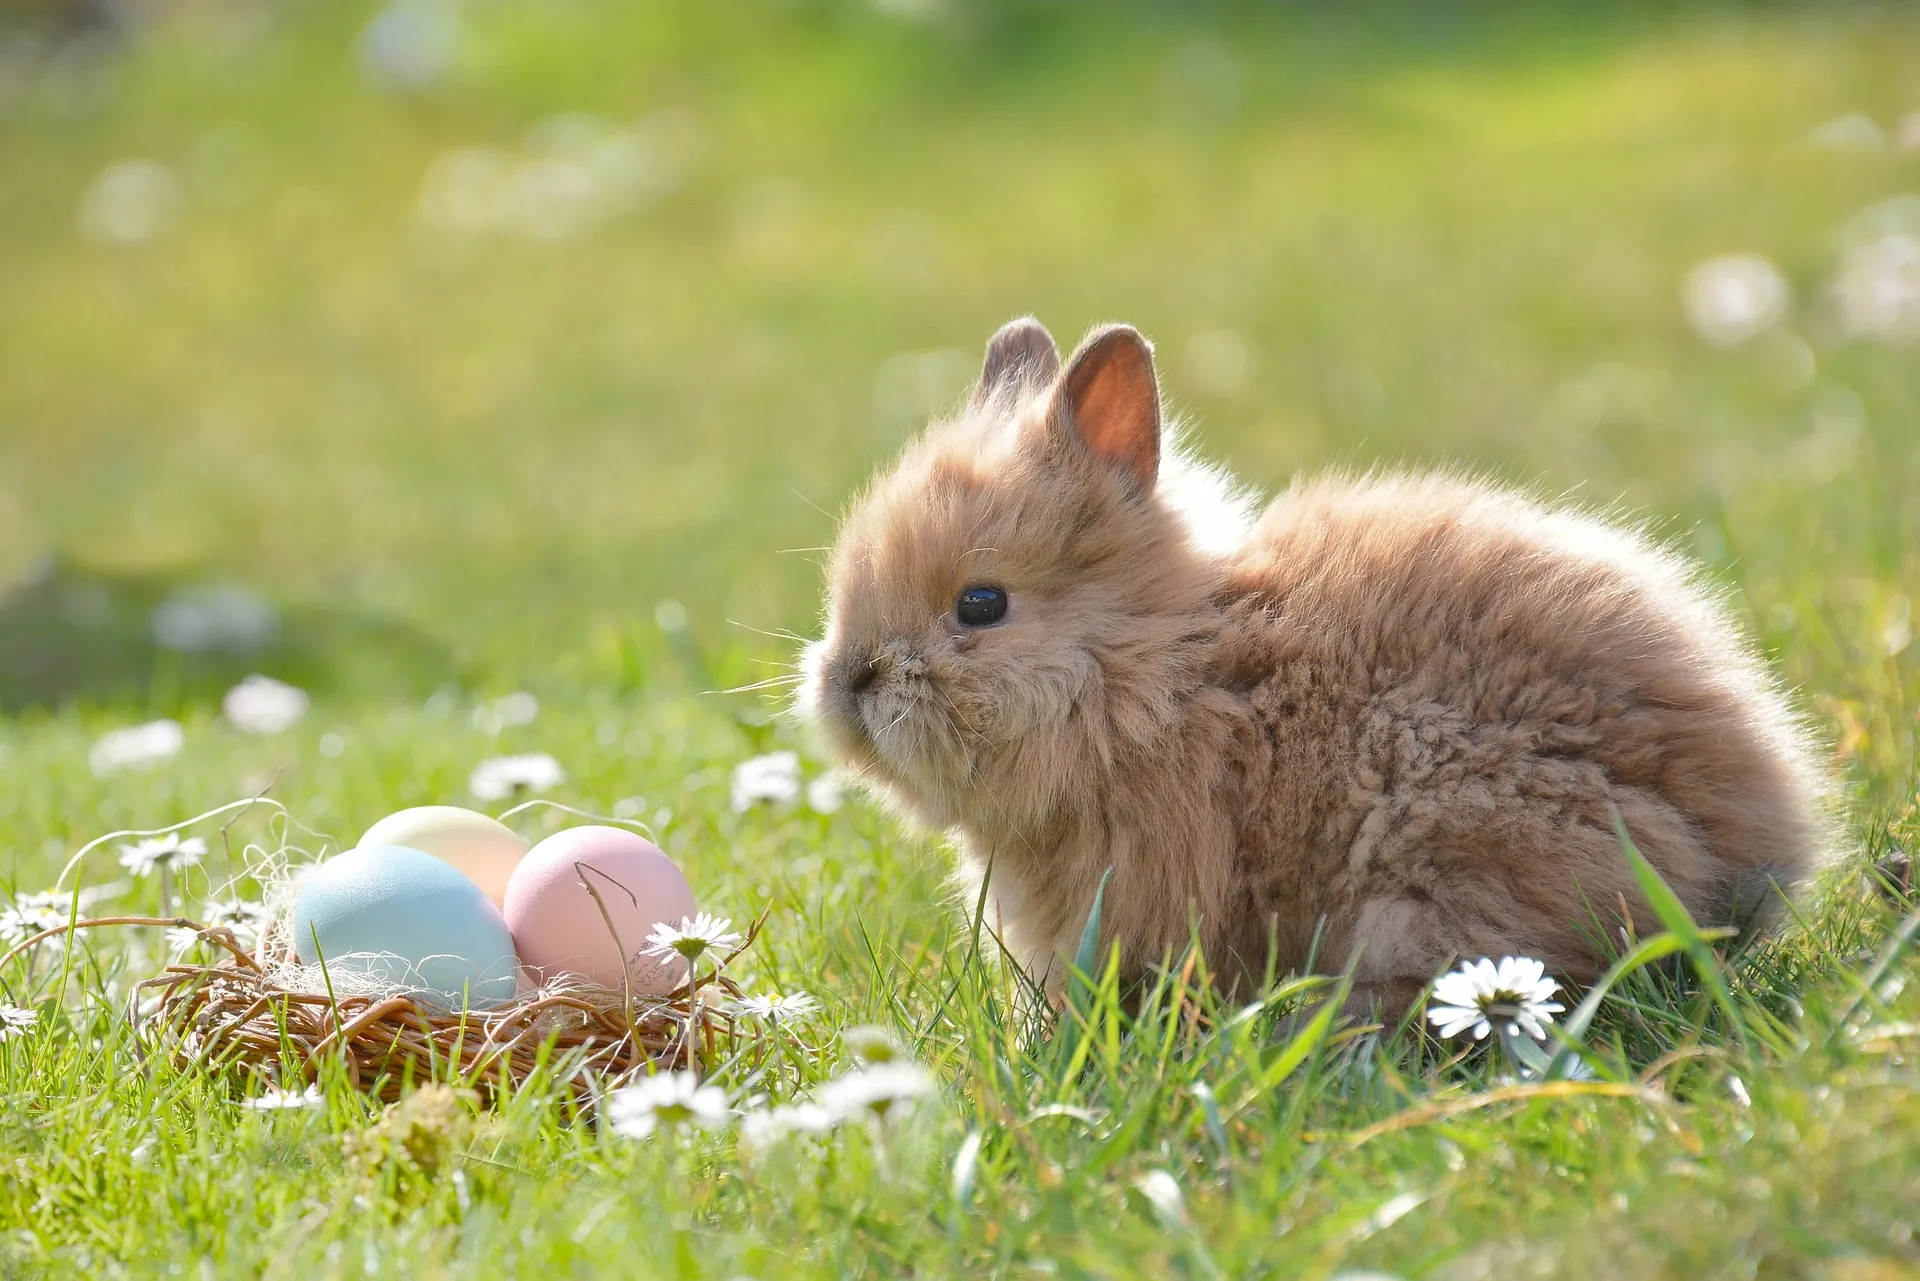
(450, 339)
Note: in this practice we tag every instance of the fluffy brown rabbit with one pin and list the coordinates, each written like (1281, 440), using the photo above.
(1391, 718)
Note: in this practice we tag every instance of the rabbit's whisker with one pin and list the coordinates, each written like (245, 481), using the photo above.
(770, 682)
(895, 722)
(775, 635)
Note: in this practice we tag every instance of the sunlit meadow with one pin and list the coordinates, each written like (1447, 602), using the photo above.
(448, 402)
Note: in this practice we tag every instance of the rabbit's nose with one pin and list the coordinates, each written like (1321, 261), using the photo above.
(860, 673)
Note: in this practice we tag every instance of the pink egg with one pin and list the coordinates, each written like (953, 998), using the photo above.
(558, 928)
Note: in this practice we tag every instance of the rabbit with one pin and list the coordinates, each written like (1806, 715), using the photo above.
(1387, 723)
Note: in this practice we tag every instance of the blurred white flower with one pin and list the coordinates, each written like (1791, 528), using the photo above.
(180, 940)
(693, 938)
(774, 777)
(578, 170)
(1735, 297)
(136, 747)
(1220, 362)
(31, 914)
(1162, 1192)
(223, 618)
(668, 1099)
(262, 705)
(631, 165)
(502, 776)
(911, 10)
(1855, 131)
(1512, 995)
(519, 708)
(766, 1127)
(825, 794)
(162, 854)
(877, 1092)
(871, 1044)
(16, 1021)
(247, 920)
(466, 189)
(1907, 135)
(775, 1008)
(1574, 1069)
(1877, 287)
(17, 925)
(411, 44)
(229, 164)
(275, 1099)
(131, 202)
(670, 616)
(554, 199)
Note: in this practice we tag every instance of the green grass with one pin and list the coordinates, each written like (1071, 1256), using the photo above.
(461, 468)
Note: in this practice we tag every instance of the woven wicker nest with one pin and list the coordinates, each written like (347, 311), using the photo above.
(240, 1016)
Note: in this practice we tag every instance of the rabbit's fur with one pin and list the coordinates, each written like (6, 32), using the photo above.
(1393, 717)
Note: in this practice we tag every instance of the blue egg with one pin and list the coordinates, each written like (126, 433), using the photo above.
(411, 920)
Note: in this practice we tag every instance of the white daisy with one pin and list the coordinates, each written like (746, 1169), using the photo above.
(763, 1129)
(693, 938)
(162, 854)
(877, 1092)
(499, 777)
(275, 1099)
(668, 1099)
(16, 1021)
(180, 940)
(775, 1008)
(1512, 995)
(136, 747)
(263, 705)
(774, 778)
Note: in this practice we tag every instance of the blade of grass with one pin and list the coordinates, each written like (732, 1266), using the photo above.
(1304, 1042)
(1674, 915)
(1573, 1029)
(1080, 986)
(1876, 974)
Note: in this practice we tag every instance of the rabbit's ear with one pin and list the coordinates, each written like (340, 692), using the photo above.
(1109, 398)
(1021, 354)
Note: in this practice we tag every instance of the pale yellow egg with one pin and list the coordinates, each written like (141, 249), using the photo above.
(483, 848)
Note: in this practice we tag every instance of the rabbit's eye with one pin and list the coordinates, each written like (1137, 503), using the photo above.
(980, 606)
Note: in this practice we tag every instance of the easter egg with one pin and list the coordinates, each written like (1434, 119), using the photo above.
(559, 927)
(409, 920)
(486, 850)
